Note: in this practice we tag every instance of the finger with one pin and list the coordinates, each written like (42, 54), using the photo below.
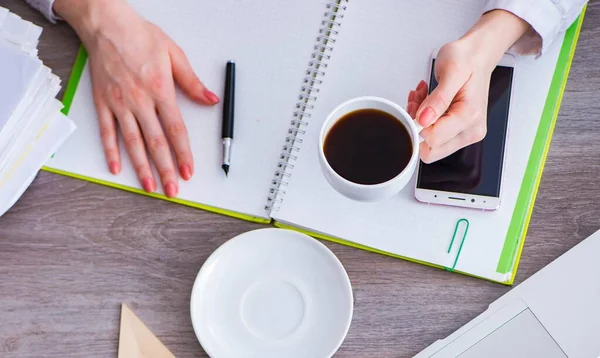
(186, 78)
(108, 135)
(412, 109)
(178, 136)
(158, 147)
(421, 92)
(422, 86)
(434, 105)
(411, 96)
(134, 143)
(457, 120)
(431, 154)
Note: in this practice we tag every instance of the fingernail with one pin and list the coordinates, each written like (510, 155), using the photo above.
(114, 167)
(421, 85)
(148, 185)
(171, 190)
(411, 96)
(186, 172)
(211, 96)
(427, 117)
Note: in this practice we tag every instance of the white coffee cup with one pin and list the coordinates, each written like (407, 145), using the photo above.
(375, 192)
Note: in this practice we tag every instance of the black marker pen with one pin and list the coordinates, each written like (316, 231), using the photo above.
(228, 114)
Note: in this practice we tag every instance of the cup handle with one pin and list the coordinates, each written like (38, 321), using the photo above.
(419, 129)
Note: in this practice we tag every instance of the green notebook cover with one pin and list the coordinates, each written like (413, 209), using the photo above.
(517, 231)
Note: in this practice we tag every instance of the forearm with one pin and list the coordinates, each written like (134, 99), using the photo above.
(494, 33)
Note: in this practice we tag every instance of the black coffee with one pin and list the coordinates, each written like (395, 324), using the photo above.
(368, 147)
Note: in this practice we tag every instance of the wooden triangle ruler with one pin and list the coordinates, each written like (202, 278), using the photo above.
(136, 340)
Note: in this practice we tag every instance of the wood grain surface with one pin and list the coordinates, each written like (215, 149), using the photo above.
(71, 252)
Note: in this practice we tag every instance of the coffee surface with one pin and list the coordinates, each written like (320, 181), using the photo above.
(368, 147)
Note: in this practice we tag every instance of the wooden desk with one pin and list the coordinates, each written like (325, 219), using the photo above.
(71, 251)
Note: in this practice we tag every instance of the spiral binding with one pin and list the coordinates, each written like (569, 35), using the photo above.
(308, 96)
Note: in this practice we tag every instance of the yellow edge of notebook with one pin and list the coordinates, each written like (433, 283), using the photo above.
(370, 249)
(579, 23)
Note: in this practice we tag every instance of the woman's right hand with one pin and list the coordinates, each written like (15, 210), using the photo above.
(454, 115)
(134, 67)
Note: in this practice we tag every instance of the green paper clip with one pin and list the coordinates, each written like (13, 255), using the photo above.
(461, 243)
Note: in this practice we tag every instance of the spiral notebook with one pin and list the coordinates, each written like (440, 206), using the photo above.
(295, 62)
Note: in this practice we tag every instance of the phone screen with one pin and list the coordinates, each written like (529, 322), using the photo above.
(476, 169)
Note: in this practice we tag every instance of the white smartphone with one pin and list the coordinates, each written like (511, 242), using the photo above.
(472, 177)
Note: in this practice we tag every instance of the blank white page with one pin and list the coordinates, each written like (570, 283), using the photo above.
(23, 172)
(18, 72)
(18, 31)
(271, 43)
(384, 49)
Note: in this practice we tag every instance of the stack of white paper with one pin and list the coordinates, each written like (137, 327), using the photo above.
(31, 124)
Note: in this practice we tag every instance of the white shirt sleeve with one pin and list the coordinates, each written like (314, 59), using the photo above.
(45, 7)
(548, 18)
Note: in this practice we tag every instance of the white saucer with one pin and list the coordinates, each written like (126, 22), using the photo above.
(272, 293)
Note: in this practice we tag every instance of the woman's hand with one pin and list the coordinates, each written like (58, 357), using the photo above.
(454, 115)
(134, 68)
